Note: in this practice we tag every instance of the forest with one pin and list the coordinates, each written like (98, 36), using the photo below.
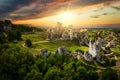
(19, 64)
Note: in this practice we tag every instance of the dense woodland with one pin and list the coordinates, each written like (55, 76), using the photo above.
(24, 28)
(17, 63)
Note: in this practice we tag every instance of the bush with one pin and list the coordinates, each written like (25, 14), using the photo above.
(109, 74)
(14, 35)
(28, 43)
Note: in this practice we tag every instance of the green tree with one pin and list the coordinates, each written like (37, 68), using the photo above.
(53, 74)
(15, 63)
(113, 62)
(13, 35)
(18, 35)
(2, 38)
(92, 75)
(33, 75)
(51, 60)
(109, 74)
(42, 65)
(28, 43)
(70, 71)
(81, 73)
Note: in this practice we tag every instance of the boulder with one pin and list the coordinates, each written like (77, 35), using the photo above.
(44, 52)
(61, 50)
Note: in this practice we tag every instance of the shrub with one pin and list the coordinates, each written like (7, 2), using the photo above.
(28, 43)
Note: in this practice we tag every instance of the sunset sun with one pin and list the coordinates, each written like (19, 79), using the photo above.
(66, 17)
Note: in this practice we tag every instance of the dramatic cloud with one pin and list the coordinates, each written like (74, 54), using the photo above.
(95, 16)
(30, 9)
(9, 6)
(117, 8)
(103, 14)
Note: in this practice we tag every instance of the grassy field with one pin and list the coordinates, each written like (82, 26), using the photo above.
(34, 37)
(52, 46)
(117, 51)
(39, 43)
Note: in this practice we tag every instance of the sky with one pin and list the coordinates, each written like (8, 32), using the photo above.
(68, 12)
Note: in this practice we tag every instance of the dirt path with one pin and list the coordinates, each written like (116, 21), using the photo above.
(40, 42)
(35, 43)
(23, 45)
(98, 67)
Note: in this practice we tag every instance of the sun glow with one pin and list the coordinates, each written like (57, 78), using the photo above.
(66, 17)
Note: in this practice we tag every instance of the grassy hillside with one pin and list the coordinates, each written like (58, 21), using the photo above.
(34, 37)
(39, 42)
(52, 46)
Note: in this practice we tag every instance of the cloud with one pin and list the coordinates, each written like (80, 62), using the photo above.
(32, 9)
(98, 9)
(92, 2)
(116, 7)
(95, 16)
(47, 1)
(9, 6)
(103, 14)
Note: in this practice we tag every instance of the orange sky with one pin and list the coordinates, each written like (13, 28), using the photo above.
(71, 12)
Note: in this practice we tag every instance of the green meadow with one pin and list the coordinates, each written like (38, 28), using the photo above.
(34, 37)
(39, 42)
(52, 46)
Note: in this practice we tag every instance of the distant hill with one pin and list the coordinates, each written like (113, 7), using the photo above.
(25, 28)
(103, 27)
(108, 26)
